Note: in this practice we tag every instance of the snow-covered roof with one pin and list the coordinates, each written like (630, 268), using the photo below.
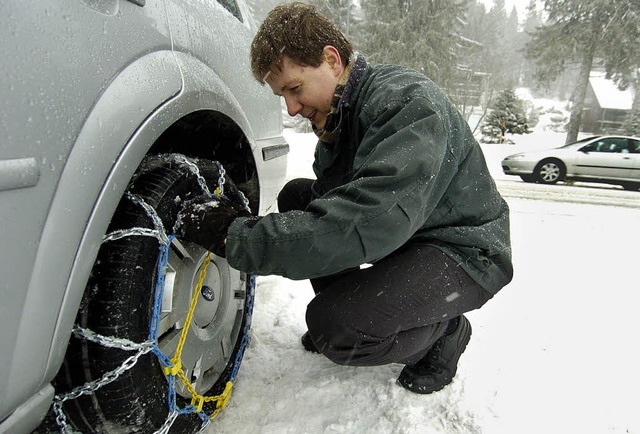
(608, 94)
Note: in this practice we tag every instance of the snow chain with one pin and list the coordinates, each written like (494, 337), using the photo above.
(172, 367)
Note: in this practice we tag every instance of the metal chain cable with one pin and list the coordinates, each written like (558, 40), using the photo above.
(92, 386)
(172, 366)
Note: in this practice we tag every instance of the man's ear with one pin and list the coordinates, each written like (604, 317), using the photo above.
(331, 55)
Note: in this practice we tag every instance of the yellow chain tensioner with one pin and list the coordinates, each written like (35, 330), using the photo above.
(197, 400)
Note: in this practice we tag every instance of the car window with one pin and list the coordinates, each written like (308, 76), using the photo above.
(634, 146)
(617, 145)
(232, 6)
(594, 147)
(608, 145)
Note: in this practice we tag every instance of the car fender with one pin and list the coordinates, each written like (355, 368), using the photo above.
(205, 90)
(79, 215)
(200, 89)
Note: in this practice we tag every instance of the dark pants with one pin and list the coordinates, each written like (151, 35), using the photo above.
(390, 312)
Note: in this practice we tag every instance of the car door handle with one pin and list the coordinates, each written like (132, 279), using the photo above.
(19, 173)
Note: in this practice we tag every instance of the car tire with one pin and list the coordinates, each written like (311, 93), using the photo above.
(528, 178)
(119, 302)
(631, 186)
(549, 171)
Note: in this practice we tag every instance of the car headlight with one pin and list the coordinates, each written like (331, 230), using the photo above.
(515, 157)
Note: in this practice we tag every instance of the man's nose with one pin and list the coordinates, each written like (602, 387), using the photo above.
(293, 105)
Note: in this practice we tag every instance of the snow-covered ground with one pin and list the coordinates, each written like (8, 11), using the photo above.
(556, 351)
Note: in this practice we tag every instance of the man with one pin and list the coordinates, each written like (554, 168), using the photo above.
(401, 185)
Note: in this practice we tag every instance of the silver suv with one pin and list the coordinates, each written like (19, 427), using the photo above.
(113, 112)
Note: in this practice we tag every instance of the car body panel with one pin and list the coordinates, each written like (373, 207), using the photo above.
(603, 165)
(606, 161)
(81, 181)
(29, 413)
(46, 100)
(71, 140)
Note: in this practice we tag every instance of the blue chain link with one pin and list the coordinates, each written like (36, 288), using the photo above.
(165, 360)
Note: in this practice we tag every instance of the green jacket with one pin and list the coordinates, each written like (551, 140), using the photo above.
(404, 168)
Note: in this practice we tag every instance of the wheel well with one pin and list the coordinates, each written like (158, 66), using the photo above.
(212, 135)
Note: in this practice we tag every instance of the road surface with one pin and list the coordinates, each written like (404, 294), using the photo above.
(595, 194)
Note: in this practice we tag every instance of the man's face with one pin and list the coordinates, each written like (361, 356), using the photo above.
(307, 90)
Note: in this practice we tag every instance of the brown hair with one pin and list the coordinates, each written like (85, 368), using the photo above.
(298, 31)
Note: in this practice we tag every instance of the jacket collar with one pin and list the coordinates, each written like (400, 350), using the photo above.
(348, 82)
(359, 66)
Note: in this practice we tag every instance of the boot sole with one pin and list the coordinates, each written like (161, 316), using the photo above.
(308, 344)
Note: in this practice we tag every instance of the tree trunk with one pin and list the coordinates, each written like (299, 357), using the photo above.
(580, 91)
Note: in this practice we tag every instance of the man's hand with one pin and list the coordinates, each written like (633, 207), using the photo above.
(205, 221)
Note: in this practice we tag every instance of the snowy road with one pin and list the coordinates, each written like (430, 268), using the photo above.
(595, 194)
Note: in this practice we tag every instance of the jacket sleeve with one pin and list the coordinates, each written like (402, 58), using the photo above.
(400, 173)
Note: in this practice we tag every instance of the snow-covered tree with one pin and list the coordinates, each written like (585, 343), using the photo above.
(532, 21)
(260, 8)
(422, 34)
(507, 115)
(580, 31)
(621, 53)
(341, 12)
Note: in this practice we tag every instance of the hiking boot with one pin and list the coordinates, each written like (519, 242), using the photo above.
(439, 366)
(308, 344)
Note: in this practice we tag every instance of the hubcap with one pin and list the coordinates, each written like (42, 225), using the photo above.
(217, 317)
(550, 172)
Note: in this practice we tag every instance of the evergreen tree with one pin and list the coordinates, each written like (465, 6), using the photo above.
(621, 53)
(500, 35)
(512, 56)
(260, 8)
(422, 34)
(483, 60)
(499, 45)
(531, 24)
(341, 12)
(501, 41)
(577, 31)
(507, 115)
(475, 28)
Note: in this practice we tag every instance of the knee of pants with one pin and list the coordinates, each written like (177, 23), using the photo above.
(326, 326)
(337, 338)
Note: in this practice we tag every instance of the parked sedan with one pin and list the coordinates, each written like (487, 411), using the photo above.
(605, 159)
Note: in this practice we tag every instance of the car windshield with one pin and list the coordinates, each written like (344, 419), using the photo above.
(579, 142)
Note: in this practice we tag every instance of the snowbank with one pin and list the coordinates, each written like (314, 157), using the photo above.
(554, 352)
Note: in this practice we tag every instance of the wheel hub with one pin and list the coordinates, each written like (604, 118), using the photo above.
(550, 172)
(209, 298)
(208, 293)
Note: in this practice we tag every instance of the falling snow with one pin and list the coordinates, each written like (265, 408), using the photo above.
(553, 352)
